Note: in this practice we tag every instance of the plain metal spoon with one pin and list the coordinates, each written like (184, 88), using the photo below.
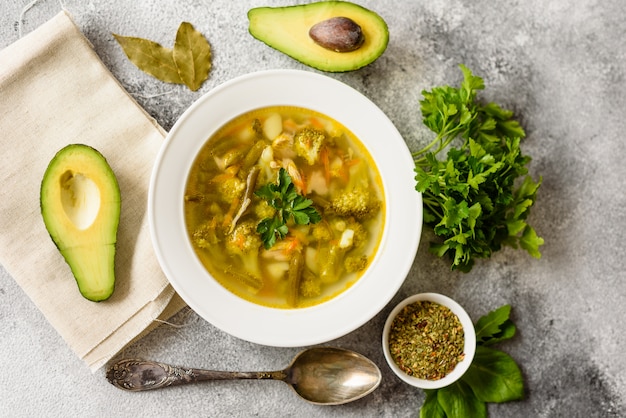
(320, 375)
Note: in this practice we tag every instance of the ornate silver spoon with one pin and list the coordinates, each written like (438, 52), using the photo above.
(321, 375)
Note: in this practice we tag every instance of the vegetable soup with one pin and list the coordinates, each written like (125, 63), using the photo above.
(284, 207)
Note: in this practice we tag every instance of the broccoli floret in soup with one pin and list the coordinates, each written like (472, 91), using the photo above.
(358, 202)
(308, 144)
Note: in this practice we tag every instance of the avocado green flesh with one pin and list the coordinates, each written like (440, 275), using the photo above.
(95, 278)
(286, 29)
(80, 206)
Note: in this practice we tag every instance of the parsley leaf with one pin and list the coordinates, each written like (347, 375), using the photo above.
(289, 205)
(271, 229)
(473, 198)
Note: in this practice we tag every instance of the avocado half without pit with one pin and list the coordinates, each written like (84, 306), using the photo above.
(80, 204)
(332, 36)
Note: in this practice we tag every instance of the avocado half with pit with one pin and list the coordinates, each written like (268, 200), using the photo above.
(80, 204)
(287, 29)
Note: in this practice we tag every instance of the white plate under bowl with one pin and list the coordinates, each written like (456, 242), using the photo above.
(220, 307)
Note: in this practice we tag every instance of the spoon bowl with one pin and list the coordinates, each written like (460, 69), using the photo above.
(332, 376)
(320, 375)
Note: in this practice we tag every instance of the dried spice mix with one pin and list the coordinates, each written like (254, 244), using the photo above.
(426, 340)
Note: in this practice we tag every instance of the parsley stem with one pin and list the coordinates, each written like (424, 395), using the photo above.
(417, 154)
(433, 205)
(443, 139)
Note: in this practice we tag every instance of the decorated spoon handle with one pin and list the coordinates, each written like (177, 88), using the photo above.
(136, 375)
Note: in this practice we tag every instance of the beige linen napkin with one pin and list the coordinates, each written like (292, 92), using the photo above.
(55, 91)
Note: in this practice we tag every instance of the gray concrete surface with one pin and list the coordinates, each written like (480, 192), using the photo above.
(559, 64)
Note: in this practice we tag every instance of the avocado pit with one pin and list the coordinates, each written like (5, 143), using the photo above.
(339, 34)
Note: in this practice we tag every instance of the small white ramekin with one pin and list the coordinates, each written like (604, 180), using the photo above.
(469, 347)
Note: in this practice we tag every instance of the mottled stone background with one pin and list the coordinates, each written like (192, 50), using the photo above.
(559, 64)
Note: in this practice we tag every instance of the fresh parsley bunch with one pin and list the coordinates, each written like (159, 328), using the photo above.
(493, 375)
(472, 198)
(283, 197)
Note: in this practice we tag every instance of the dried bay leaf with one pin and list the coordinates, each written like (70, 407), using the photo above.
(189, 62)
(150, 57)
(192, 56)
